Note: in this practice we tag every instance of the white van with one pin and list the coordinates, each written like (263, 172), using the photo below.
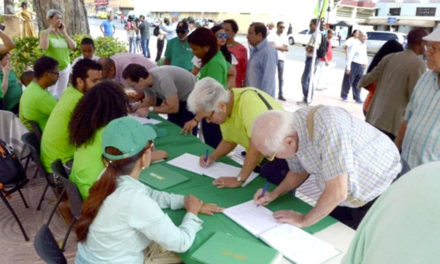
(377, 38)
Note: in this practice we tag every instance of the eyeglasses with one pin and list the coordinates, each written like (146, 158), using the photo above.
(57, 73)
(432, 48)
(222, 35)
(272, 157)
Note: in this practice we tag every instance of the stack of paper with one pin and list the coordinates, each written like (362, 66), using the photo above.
(145, 120)
(216, 170)
(293, 242)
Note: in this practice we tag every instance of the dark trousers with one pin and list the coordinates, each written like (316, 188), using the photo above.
(280, 66)
(211, 133)
(305, 78)
(160, 44)
(2, 107)
(181, 117)
(356, 72)
(274, 171)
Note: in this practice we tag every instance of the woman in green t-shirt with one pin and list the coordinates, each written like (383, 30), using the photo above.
(56, 43)
(11, 90)
(204, 46)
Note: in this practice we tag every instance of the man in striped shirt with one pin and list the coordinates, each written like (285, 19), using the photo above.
(420, 130)
(353, 162)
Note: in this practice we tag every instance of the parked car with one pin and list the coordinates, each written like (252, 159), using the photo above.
(377, 38)
(303, 38)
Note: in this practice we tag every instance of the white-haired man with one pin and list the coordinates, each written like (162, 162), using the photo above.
(353, 162)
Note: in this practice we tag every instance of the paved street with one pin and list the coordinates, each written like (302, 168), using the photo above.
(293, 69)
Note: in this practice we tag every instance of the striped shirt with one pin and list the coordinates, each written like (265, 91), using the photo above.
(343, 144)
(421, 143)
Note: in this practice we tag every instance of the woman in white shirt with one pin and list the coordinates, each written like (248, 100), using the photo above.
(122, 216)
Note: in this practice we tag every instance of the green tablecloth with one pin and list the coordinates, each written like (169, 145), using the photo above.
(202, 187)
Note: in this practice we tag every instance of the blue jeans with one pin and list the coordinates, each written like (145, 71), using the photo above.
(280, 66)
(305, 79)
(132, 44)
(145, 48)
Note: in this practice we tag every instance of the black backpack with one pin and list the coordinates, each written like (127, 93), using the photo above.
(156, 31)
(322, 50)
(11, 170)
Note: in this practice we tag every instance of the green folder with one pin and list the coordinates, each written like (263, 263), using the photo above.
(228, 249)
(160, 177)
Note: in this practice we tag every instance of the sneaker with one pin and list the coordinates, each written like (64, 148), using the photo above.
(344, 99)
(302, 103)
(359, 101)
(281, 98)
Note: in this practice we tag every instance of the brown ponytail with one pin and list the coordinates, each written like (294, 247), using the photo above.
(105, 186)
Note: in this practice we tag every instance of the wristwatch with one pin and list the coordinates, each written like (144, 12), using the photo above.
(240, 179)
(151, 109)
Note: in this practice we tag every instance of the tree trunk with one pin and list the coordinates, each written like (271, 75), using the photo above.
(9, 6)
(74, 14)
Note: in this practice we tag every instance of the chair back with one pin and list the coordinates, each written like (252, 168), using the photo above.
(47, 247)
(74, 195)
(58, 169)
(36, 129)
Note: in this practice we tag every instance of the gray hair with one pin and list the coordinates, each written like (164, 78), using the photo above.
(207, 95)
(52, 12)
(272, 127)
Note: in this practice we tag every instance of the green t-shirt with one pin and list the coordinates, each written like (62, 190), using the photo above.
(247, 107)
(36, 104)
(179, 53)
(12, 96)
(55, 140)
(59, 50)
(402, 226)
(87, 164)
(216, 68)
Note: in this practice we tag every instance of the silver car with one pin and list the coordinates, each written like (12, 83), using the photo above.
(377, 38)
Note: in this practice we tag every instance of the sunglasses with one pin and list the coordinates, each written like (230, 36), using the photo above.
(222, 35)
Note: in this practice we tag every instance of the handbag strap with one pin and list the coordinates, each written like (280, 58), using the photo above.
(269, 107)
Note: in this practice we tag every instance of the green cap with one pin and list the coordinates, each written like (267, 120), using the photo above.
(127, 135)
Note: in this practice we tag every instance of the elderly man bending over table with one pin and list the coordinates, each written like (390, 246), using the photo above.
(235, 111)
(353, 162)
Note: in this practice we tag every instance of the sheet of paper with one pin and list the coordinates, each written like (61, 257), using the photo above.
(191, 163)
(298, 245)
(144, 120)
(253, 218)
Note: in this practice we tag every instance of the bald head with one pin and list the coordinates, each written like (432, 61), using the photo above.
(108, 68)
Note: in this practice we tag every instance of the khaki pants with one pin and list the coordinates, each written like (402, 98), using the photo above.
(155, 254)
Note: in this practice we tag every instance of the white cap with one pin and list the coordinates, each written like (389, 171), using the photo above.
(434, 36)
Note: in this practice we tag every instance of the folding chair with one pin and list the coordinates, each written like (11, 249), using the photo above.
(36, 129)
(47, 247)
(59, 172)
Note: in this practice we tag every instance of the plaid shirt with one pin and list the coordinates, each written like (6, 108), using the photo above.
(421, 143)
(343, 144)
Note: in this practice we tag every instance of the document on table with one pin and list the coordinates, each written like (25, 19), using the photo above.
(145, 120)
(216, 170)
(291, 241)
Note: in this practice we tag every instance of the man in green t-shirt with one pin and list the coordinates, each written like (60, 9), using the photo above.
(55, 141)
(37, 103)
(178, 52)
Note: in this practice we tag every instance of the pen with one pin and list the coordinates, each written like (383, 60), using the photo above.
(264, 191)
(206, 157)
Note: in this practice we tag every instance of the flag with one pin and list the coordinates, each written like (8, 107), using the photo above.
(324, 8)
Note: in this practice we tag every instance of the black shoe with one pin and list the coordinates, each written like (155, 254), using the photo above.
(281, 98)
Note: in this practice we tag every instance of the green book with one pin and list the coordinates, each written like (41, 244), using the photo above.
(228, 249)
(161, 177)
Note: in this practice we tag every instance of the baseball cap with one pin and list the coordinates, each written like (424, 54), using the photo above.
(434, 36)
(127, 135)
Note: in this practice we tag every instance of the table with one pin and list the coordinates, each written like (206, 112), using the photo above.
(328, 229)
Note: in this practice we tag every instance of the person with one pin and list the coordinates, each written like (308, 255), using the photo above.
(114, 66)
(353, 162)
(322, 74)
(123, 18)
(263, 59)
(281, 44)
(161, 40)
(204, 46)
(396, 75)
(28, 29)
(191, 25)
(354, 39)
(356, 63)
(55, 140)
(36, 103)
(235, 111)
(339, 38)
(420, 130)
(310, 50)
(144, 28)
(391, 46)
(56, 43)
(178, 52)
(289, 29)
(107, 27)
(132, 30)
(170, 28)
(270, 27)
(170, 84)
(122, 211)
(381, 238)
(26, 78)
(238, 50)
(10, 91)
(87, 50)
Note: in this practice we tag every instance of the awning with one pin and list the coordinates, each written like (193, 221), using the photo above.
(427, 22)
(343, 24)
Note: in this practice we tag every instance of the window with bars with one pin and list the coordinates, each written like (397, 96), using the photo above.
(425, 11)
(395, 11)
